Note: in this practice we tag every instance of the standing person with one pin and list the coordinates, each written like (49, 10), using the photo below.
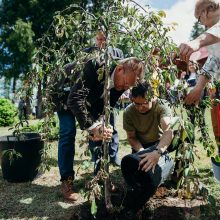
(147, 123)
(208, 13)
(115, 53)
(22, 109)
(100, 42)
(86, 104)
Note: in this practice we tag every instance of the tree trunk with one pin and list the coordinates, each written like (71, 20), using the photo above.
(14, 85)
(107, 183)
(7, 88)
(39, 110)
(28, 104)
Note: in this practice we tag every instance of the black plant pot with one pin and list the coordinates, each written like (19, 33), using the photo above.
(24, 168)
(142, 185)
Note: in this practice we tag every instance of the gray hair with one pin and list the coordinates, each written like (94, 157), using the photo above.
(204, 4)
(133, 64)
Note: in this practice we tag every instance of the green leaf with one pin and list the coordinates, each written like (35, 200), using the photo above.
(175, 142)
(172, 76)
(188, 154)
(174, 122)
(93, 208)
(217, 158)
(86, 164)
(162, 14)
(184, 135)
(186, 171)
(212, 200)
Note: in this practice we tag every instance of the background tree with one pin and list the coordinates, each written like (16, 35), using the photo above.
(22, 23)
(126, 25)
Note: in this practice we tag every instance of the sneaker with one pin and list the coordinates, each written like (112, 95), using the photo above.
(67, 190)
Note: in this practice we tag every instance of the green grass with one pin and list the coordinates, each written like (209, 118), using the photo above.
(41, 198)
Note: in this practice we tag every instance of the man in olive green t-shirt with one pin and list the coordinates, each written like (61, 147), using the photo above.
(147, 122)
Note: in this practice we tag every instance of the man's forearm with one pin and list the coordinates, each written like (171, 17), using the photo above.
(165, 140)
(136, 145)
(207, 39)
(202, 81)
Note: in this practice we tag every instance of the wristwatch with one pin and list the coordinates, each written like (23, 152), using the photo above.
(159, 151)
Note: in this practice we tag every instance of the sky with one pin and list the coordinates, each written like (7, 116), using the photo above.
(179, 11)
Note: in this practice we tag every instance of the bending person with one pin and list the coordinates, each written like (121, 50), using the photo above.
(86, 104)
(147, 123)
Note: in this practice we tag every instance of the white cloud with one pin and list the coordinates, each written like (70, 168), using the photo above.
(183, 14)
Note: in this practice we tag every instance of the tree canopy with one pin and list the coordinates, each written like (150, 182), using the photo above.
(22, 23)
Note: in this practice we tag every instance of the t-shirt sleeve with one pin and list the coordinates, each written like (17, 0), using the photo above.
(214, 30)
(127, 122)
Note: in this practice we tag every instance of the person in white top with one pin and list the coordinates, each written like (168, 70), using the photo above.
(208, 13)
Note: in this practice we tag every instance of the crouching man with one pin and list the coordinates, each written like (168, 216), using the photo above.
(147, 123)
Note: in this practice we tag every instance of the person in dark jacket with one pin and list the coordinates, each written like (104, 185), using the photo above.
(22, 110)
(115, 53)
(86, 104)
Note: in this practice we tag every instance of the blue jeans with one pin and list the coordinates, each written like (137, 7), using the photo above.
(66, 144)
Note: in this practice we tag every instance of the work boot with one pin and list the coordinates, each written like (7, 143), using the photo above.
(67, 190)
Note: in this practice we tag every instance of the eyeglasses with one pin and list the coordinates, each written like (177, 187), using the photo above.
(140, 104)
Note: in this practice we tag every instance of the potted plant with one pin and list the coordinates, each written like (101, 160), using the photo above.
(216, 167)
(20, 156)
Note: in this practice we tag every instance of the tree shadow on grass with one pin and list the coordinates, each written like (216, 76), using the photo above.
(39, 199)
(34, 200)
(29, 200)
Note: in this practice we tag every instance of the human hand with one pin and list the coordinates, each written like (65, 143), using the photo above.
(194, 96)
(212, 92)
(186, 49)
(149, 161)
(100, 132)
(183, 75)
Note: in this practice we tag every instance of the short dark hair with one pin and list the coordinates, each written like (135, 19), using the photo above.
(142, 89)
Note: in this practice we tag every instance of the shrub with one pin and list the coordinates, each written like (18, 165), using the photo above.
(7, 112)
(53, 132)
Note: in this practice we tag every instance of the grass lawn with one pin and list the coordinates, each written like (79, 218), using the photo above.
(41, 199)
